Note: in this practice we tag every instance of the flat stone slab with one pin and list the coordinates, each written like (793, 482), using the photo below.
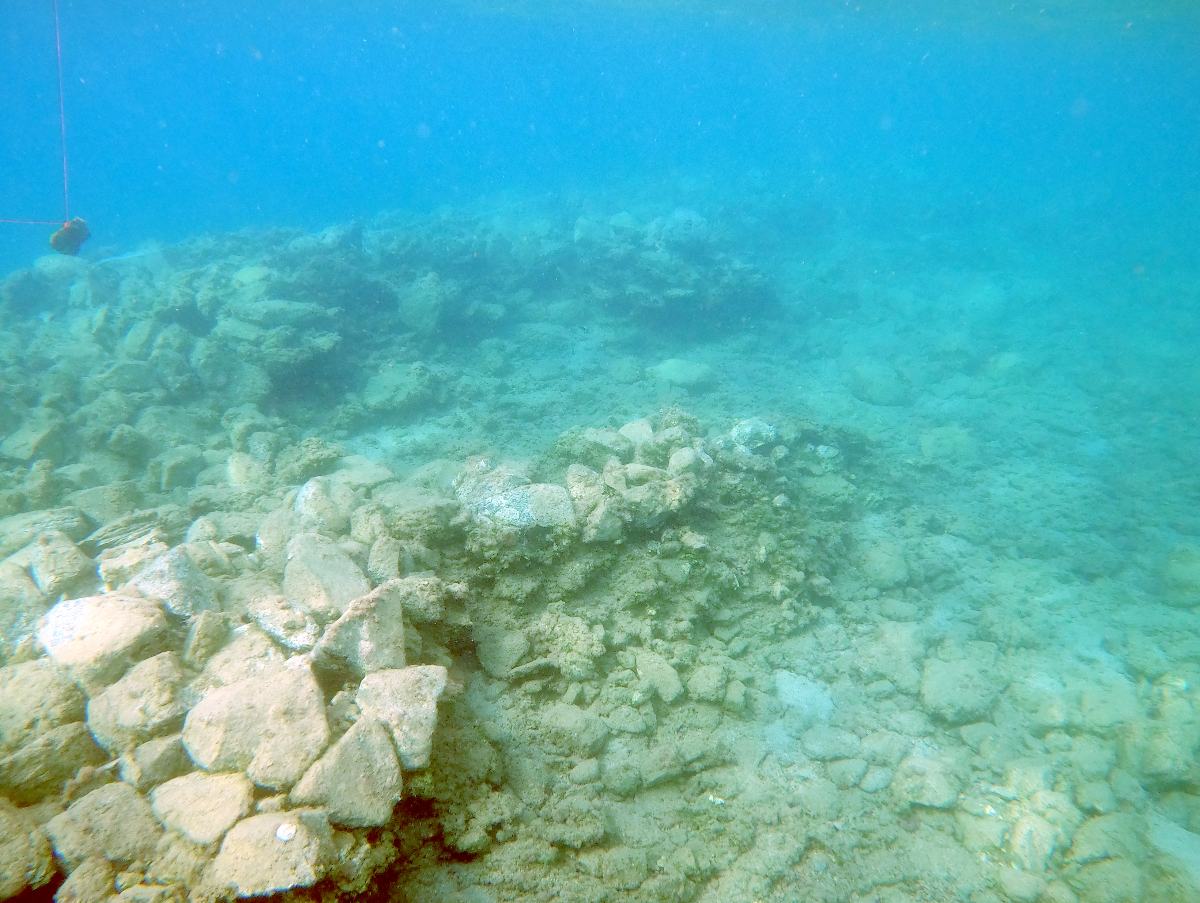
(96, 637)
(274, 852)
(202, 807)
(271, 726)
(405, 699)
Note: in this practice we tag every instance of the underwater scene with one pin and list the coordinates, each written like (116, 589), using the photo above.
(601, 451)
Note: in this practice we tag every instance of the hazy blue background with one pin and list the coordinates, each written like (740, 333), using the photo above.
(187, 117)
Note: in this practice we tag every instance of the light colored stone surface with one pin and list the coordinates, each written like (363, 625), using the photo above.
(285, 622)
(274, 852)
(202, 807)
(369, 635)
(406, 701)
(175, 580)
(964, 688)
(56, 565)
(97, 637)
(357, 781)
(141, 704)
(112, 821)
(271, 726)
(40, 766)
(659, 674)
(320, 577)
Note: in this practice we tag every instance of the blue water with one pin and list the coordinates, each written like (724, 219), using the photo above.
(920, 622)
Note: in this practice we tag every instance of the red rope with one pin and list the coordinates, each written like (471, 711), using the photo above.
(62, 136)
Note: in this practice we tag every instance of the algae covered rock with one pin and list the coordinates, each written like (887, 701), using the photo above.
(496, 495)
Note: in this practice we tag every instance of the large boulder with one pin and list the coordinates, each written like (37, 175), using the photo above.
(143, 703)
(112, 821)
(357, 781)
(271, 726)
(273, 852)
(202, 807)
(405, 699)
(320, 578)
(96, 637)
(25, 859)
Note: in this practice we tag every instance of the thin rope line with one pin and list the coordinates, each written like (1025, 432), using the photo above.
(62, 116)
(32, 222)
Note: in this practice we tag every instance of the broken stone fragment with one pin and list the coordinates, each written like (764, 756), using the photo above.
(112, 821)
(18, 530)
(405, 699)
(271, 726)
(202, 807)
(56, 564)
(141, 704)
(274, 852)
(153, 762)
(96, 637)
(369, 635)
(320, 577)
(659, 674)
(357, 780)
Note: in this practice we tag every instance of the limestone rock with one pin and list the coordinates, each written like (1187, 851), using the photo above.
(499, 650)
(21, 604)
(357, 781)
(153, 762)
(18, 530)
(320, 577)
(141, 704)
(323, 506)
(964, 688)
(659, 674)
(274, 852)
(112, 821)
(40, 766)
(405, 699)
(499, 496)
(25, 859)
(35, 696)
(173, 579)
(574, 731)
(272, 726)
(202, 807)
(369, 635)
(285, 622)
(56, 564)
(926, 780)
(248, 653)
(96, 637)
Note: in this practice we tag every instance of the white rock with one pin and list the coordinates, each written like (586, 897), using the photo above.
(174, 579)
(273, 852)
(323, 506)
(285, 622)
(141, 704)
(271, 726)
(202, 807)
(405, 700)
(357, 781)
(96, 637)
(320, 577)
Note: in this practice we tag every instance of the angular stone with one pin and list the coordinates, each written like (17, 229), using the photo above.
(39, 767)
(499, 650)
(660, 674)
(274, 852)
(249, 653)
(320, 577)
(96, 637)
(25, 859)
(271, 726)
(357, 781)
(369, 635)
(141, 704)
(35, 696)
(285, 622)
(21, 604)
(112, 821)
(153, 762)
(962, 689)
(202, 807)
(405, 700)
(18, 530)
(173, 579)
(56, 564)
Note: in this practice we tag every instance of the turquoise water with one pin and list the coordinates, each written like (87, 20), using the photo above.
(753, 452)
